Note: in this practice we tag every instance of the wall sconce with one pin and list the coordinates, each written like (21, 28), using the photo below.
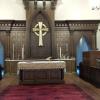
(94, 4)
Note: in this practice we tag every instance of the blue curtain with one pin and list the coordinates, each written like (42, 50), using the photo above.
(81, 47)
(1, 55)
(1, 60)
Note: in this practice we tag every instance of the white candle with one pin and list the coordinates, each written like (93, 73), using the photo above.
(23, 52)
(60, 52)
(57, 51)
(13, 50)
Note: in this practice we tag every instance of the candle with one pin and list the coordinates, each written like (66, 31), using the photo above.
(13, 51)
(57, 51)
(60, 52)
(23, 51)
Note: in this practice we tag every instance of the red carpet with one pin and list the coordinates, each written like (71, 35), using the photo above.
(44, 92)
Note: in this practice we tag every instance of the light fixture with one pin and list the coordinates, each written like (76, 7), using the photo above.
(94, 4)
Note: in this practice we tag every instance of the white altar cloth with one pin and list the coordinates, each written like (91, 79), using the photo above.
(41, 65)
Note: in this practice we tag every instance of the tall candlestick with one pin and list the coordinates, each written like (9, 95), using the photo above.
(13, 50)
(60, 52)
(23, 52)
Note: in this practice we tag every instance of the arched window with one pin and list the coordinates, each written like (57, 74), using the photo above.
(1, 60)
(82, 46)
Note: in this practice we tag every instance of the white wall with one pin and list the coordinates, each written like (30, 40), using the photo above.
(12, 10)
(66, 10)
(76, 10)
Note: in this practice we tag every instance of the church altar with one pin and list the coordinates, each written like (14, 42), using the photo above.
(41, 72)
(11, 65)
(41, 65)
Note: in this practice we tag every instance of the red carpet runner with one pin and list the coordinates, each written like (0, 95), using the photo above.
(45, 92)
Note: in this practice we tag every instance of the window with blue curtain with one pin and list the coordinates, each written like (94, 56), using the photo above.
(1, 61)
(81, 47)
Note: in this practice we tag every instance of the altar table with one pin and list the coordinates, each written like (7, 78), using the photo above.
(41, 72)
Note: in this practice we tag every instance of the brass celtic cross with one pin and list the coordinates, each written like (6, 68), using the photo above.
(40, 30)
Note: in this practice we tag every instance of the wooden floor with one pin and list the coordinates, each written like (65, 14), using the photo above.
(69, 78)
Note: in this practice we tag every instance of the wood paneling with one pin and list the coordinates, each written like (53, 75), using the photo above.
(34, 14)
(61, 40)
(75, 30)
(11, 65)
(64, 32)
(89, 57)
(89, 69)
(90, 74)
(12, 32)
(44, 76)
(70, 66)
(77, 35)
(45, 50)
(17, 38)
